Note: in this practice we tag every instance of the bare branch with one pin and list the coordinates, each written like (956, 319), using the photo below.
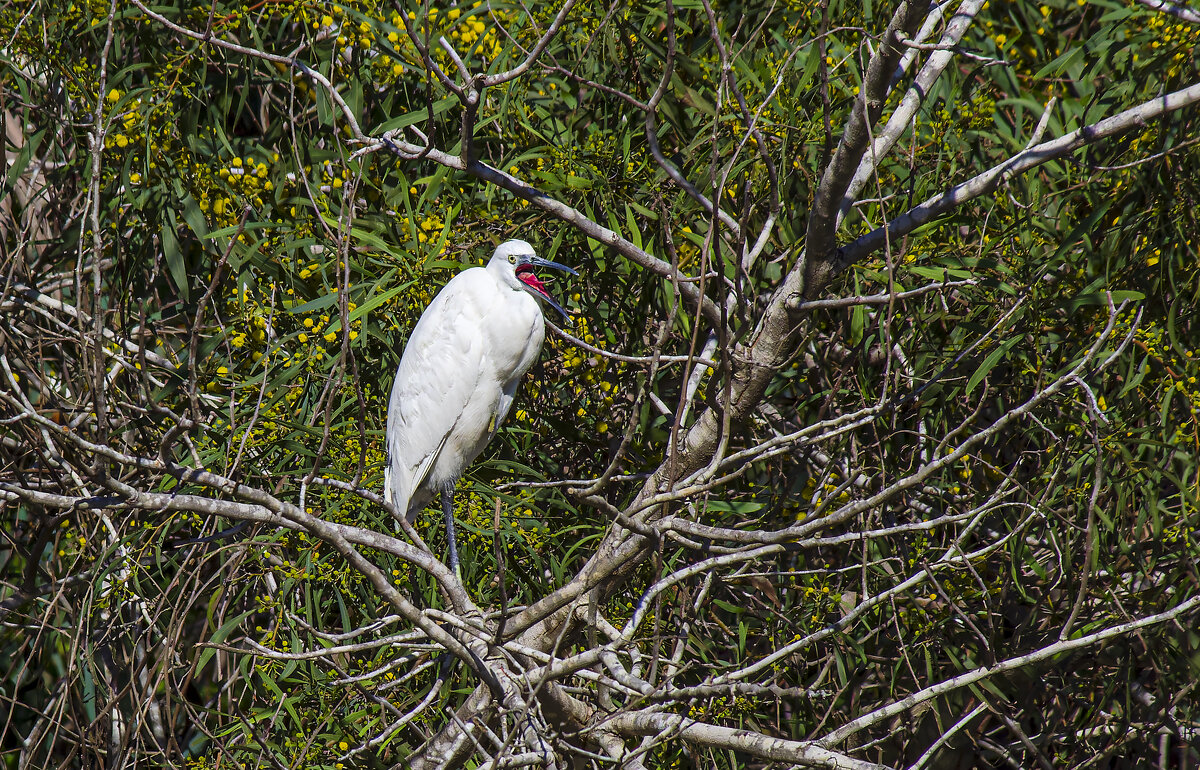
(803, 753)
(990, 180)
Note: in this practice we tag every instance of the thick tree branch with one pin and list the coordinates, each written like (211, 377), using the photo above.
(1032, 157)
(914, 97)
(823, 217)
(802, 753)
(906, 704)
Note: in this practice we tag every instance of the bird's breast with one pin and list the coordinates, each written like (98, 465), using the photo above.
(513, 332)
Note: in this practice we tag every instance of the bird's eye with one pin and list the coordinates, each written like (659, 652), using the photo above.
(512, 258)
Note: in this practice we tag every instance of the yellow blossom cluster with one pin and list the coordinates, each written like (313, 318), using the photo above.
(1170, 375)
(592, 381)
(260, 320)
(816, 494)
(1176, 39)
(244, 180)
(429, 228)
(133, 133)
(818, 600)
(520, 525)
(722, 707)
(367, 31)
(687, 247)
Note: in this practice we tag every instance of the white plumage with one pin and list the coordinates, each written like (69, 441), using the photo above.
(459, 373)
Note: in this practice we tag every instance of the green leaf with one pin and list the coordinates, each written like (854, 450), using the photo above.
(219, 636)
(858, 323)
(734, 506)
(416, 116)
(176, 264)
(378, 300)
(1060, 63)
(320, 303)
(635, 232)
(194, 216)
(21, 162)
(939, 273)
(989, 363)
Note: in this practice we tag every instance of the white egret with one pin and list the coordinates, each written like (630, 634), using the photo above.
(458, 375)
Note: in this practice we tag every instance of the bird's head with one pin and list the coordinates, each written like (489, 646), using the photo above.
(516, 263)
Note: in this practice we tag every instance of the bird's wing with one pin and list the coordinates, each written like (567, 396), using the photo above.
(507, 393)
(438, 373)
(513, 331)
(421, 471)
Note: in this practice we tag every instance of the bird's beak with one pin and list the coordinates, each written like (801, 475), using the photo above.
(539, 262)
(536, 286)
(552, 303)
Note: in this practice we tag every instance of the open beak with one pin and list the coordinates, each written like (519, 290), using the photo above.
(539, 262)
(525, 273)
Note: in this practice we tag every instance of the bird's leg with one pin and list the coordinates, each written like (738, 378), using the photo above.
(448, 513)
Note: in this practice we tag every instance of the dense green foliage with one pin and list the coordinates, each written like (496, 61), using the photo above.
(238, 229)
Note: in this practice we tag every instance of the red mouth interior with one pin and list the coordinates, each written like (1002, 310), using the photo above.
(529, 278)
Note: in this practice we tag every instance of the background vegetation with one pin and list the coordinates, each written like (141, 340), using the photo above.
(898, 469)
